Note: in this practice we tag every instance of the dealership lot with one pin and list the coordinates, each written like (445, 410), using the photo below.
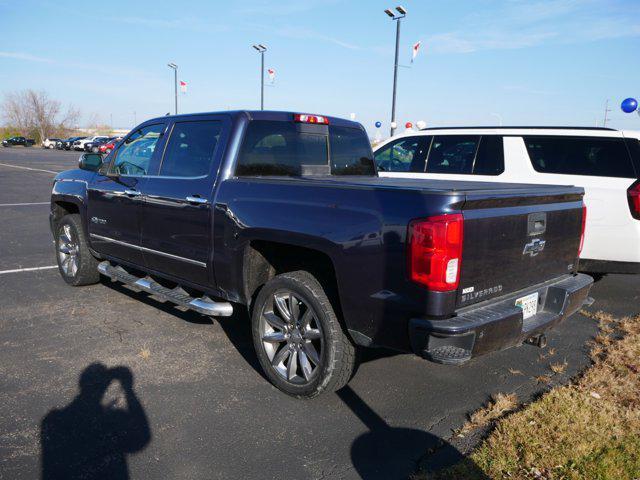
(209, 411)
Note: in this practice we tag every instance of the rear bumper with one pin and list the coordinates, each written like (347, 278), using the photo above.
(497, 324)
(608, 266)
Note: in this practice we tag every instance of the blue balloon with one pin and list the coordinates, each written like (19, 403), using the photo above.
(378, 124)
(629, 105)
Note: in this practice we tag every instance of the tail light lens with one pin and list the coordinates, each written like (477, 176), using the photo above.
(584, 224)
(307, 118)
(435, 251)
(633, 194)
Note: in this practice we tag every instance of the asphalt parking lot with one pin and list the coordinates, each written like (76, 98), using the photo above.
(197, 405)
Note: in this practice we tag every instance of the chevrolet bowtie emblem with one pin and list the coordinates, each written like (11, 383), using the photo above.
(534, 247)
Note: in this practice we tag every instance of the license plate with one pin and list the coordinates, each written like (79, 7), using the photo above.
(528, 304)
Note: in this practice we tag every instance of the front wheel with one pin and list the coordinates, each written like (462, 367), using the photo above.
(76, 264)
(299, 341)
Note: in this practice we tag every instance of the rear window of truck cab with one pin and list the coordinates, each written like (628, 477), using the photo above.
(277, 148)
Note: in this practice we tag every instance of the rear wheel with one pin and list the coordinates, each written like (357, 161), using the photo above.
(76, 264)
(299, 341)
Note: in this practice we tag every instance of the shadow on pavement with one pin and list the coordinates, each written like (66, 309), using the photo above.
(237, 328)
(387, 452)
(90, 440)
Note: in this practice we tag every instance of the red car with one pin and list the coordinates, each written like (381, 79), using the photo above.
(108, 146)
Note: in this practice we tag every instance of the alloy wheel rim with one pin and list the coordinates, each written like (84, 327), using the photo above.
(68, 251)
(292, 337)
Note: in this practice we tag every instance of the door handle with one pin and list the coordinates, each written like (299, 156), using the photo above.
(197, 200)
(132, 193)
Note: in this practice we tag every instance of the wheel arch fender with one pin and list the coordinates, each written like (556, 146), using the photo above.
(69, 197)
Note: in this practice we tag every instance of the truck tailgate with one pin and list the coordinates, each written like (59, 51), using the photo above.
(518, 238)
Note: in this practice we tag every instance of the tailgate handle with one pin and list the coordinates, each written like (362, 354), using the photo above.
(537, 223)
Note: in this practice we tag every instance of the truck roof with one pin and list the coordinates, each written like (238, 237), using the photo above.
(273, 115)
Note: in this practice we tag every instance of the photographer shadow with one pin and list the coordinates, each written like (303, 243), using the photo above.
(386, 452)
(90, 440)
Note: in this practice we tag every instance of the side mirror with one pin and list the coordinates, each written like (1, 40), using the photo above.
(90, 161)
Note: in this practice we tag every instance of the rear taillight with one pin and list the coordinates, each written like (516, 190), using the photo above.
(306, 118)
(633, 194)
(584, 224)
(435, 251)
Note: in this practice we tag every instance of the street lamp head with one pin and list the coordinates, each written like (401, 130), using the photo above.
(260, 48)
(389, 12)
(256, 47)
(172, 65)
(401, 10)
(264, 49)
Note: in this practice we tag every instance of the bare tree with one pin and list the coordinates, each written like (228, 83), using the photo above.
(35, 111)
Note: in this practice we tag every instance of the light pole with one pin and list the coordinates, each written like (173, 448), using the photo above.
(261, 49)
(397, 17)
(175, 81)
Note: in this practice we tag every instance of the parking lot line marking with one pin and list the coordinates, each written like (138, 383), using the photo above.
(22, 204)
(32, 269)
(29, 168)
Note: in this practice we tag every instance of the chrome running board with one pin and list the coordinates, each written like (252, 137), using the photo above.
(203, 305)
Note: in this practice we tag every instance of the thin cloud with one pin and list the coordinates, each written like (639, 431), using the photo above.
(522, 24)
(527, 90)
(25, 56)
(303, 33)
(282, 8)
(186, 23)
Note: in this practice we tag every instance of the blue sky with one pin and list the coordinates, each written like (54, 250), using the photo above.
(551, 62)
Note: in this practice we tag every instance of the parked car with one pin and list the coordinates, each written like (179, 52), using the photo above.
(285, 213)
(93, 145)
(79, 144)
(109, 145)
(50, 142)
(605, 162)
(68, 143)
(18, 141)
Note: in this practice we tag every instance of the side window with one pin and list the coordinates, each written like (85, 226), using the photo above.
(350, 152)
(403, 155)
(134, 155)
(452, 154)
(633, 144)
(592, 156)
(190, 150)
(273, 148)
(490, 157)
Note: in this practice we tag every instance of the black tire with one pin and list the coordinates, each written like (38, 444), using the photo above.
(337, 354)
(86, 271)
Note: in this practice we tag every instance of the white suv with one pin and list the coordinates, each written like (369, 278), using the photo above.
(79, 144)
(605, 162)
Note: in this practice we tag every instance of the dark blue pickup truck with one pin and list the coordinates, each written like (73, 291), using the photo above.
(285, 214)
